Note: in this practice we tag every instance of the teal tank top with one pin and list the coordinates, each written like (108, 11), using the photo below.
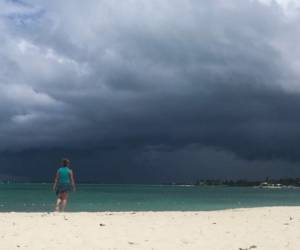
(64, 176)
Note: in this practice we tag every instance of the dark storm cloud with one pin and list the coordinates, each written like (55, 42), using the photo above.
(139, 74)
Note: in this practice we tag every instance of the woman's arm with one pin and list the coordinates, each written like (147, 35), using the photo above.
(55, 181)
(72, 181)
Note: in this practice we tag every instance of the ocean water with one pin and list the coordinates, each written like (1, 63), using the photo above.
(92, 198)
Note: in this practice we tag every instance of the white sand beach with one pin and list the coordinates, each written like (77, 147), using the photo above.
(276, 228)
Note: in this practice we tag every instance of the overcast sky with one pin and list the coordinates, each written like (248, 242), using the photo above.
(150, 91)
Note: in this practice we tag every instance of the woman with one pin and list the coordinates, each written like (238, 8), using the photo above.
(63, 182)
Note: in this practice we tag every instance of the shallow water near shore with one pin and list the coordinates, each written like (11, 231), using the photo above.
(98, 197)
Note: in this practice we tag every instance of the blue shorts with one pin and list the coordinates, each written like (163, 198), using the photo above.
(62, 188)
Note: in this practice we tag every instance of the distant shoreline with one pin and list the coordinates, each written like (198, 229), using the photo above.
(256, 185)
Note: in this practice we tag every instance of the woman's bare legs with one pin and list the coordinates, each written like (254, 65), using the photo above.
(64, 200)
(57, 206)
(61, 202)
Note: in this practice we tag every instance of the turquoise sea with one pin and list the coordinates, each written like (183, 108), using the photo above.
(39, 197)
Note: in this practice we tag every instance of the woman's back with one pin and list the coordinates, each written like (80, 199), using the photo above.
(64, 175)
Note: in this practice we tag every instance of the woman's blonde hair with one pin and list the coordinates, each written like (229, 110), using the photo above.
(65, 162)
